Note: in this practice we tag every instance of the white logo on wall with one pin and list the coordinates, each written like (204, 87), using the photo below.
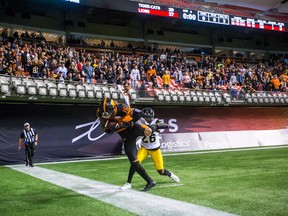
(93, 125)
(173, 127)
(175, 144)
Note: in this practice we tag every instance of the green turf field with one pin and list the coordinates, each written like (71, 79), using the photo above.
(243, 182)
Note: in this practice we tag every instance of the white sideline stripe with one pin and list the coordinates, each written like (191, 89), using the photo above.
(169, 185)
(166, 154)
(88, 170)
(137, 202)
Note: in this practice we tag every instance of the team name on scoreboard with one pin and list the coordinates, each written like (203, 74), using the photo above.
(157, 10)
(148, 6)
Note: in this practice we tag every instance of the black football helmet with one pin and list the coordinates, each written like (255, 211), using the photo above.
(148, 114)
(106, 108)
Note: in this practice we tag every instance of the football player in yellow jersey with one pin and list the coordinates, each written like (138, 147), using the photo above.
(129, 129)
(150, 145)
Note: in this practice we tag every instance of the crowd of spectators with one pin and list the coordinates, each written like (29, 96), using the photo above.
(164, 69)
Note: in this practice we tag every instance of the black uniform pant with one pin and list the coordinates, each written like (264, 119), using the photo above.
(29, 151)
(129, 137)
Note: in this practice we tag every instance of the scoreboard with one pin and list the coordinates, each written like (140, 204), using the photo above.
(185, 14)
(208, 17)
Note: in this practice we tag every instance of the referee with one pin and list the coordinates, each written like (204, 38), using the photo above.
(29, 138)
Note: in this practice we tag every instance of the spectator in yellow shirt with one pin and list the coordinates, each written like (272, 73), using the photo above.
(166, 79)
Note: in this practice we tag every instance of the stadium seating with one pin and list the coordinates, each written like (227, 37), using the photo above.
(72, 91)
(23, 86)
(271, 99)
(52, 89)
(167, 95)
(248, 98)
(98, 92)
(81, 91)
(20, 87)
(187, 96)
(31, 87)
(200, 96)
(254, 98)
(286, 98)
(114, 93)
(89, 91)
(61, 87)
(227, 97)
(212, 97)
(41, 87)
(159, 95)
(206, 97)
(174, 96)
(218, 97)
(106, 92)
(5, 84)
(282, 98)
(133, 94)
(181, 96)
(194, 96)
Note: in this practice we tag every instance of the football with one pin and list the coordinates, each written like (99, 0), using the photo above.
(111, 126)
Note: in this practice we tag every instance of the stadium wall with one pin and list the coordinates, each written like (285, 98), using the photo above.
(73, 131)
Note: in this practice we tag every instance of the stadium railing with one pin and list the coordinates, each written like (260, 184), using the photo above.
(24, 89)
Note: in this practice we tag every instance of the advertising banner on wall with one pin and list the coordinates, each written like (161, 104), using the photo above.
(73, 131)
(65, 132)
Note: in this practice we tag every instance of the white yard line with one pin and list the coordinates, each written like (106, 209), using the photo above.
(140, 203)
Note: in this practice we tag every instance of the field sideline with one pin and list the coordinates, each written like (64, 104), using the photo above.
(239, 182)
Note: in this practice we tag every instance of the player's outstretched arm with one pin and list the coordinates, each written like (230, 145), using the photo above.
(158, 126)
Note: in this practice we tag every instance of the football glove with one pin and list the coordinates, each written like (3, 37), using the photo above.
(161, 125)
(158, 126)
(127, 124)
(111, 128)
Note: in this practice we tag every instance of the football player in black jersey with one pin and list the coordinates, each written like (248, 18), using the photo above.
(128, 129)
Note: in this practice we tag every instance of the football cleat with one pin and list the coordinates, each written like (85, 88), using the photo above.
(149, 186)
(126, 186)
(174, 177)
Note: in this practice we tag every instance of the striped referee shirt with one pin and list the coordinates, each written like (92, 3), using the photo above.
(29, 136)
